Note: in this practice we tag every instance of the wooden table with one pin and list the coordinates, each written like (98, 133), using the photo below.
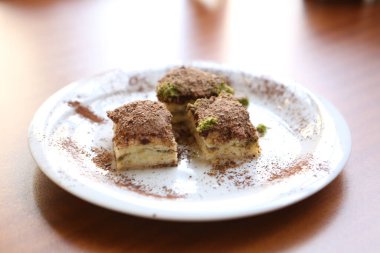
(332, 48)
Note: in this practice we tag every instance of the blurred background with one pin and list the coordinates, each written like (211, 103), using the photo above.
(326, 45)
(52, 41)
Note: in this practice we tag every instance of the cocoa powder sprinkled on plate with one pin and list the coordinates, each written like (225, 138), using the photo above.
(289, 171)
(103, 158)
(227, 172)
(267, 88)
(302, 164)
(139, 83)
(85, 112)
(70, 146)
(130, 183)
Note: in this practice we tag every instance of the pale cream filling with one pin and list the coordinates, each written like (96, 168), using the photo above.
(178, 111)
(143, 156)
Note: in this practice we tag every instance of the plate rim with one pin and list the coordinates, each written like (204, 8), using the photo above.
(86, 194)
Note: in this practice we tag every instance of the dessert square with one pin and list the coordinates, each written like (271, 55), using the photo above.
(186, 84)
(222, 129)
(143, 135)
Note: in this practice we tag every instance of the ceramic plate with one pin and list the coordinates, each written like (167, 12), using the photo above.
(304, 149)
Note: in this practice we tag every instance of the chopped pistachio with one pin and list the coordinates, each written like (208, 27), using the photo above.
(207, 124)
(262, 129)
(244, 101)
(167, 90)
(226, 88)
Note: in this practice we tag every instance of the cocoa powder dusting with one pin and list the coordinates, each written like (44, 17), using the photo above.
(136, 186)
(227, 171)
(85, 112)
(142, 118)
(190, 83)
(274, 91)
(103, 158)
(304, 163)
(140, 83)
(232, 118)
(243, 175)
(70, 146)
(289, 171)
(268, 89)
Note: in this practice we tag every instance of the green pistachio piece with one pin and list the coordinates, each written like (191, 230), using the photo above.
(206, 124)
(244, 101)
(262, 129)
(226, 88)
(167, 90)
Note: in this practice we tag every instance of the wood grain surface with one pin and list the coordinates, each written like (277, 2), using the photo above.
(333, 48)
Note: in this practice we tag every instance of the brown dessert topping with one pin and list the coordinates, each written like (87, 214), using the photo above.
(141, 118)
(190, 83)
(85, 112)
(232, 119)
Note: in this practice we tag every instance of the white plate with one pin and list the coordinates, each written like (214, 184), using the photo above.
(305, 148)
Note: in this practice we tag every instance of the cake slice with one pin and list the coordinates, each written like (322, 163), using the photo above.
(143, 136)
(222, 129)
(186, 84)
